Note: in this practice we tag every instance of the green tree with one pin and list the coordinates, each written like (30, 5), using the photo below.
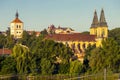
(86, 32)
(2, 40)
(44, 32)
(8, 66)
(107, 56)
(22, 56)
(10, 42)
(87, 55)
(115, 34)
(76, 67)
(46, 66)
(64, 68)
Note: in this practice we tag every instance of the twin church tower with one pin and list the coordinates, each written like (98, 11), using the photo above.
(99, 28)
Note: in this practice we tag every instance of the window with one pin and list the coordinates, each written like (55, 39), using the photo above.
(78, 46)
(19, 26)
(83, 46)
(73, 47)
(103, 33)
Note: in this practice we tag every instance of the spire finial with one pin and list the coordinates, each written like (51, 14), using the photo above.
(17, 15)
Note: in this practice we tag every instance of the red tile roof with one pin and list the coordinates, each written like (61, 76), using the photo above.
(37, 33)
(17, 20)
(71, 37)
(5, 51)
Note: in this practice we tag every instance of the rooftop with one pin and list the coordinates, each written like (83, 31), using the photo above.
(16, 20)
(71, 37)
(5, 51)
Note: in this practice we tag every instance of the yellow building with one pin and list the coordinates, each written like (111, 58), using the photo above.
(78, 42)
(16, 27)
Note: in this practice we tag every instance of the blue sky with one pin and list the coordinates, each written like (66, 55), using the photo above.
(77, 14)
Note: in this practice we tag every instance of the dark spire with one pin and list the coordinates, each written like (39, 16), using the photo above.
(95, 20)
(17, 15)
(102, 21)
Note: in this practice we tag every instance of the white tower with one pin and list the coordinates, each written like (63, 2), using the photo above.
(16, 27)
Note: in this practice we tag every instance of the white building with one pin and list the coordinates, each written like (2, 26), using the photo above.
(16, 27)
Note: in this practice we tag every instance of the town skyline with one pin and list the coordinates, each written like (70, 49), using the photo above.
(76, 14)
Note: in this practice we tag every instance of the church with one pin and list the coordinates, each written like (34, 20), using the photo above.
(78, 42)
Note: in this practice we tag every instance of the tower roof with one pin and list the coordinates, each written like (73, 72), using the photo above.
(16, 20)
(95, 20)
(102, 21)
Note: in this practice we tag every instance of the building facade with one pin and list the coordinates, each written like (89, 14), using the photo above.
(59, 30)
(16, 27)
(78, 42)
(99, 28)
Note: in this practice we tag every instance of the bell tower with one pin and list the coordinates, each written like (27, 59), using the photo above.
(103, 27)
(94, 25)
(16, 27)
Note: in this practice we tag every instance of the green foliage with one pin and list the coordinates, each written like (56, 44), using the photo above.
(8, 66)
(44, 32)
(107, 56)
(10, 42)
(115, 34)
(50, 50)
(76, 67)
(22, 56)
(47, 67)
(87, 54)
(86, 32)
(64, 68)
(2, 40)
(35, 55)
(6, 41)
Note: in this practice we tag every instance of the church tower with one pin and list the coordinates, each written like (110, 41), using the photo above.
(16, 27)
(100, 29)
(94, 25)
(103, 27)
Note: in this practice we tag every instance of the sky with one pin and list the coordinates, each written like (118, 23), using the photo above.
(76, 14)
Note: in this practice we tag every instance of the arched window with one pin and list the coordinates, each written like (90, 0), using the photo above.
(73, 47)
(89, 45)
(19, 26)
(78, 46)
(103, 33)
(83, 46)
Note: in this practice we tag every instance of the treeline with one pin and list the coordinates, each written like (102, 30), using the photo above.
(36, 55)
